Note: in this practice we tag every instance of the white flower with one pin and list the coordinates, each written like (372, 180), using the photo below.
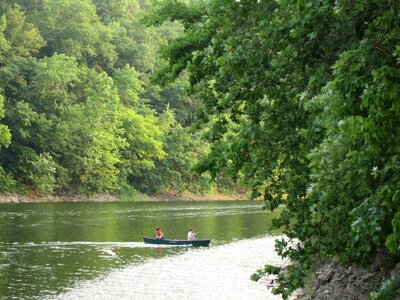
(310, 189)
(374, 171)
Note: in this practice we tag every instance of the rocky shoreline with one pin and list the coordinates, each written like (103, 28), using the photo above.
(337, 282)
(334, 281)
(35, 198)
(167, 196)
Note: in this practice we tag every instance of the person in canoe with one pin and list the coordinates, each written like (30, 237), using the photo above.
(159, 234)
(192, 236)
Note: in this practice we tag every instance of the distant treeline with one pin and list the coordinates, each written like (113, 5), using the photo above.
(78, 109)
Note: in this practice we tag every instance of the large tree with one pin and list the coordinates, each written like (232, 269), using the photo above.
(313, 89)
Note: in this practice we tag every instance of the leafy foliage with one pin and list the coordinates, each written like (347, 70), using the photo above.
(78, 110)
(310, 91)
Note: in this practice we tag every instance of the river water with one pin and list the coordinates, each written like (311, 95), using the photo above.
(96, 250)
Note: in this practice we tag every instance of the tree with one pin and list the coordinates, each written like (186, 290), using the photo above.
(144, 136)
(5, 136)
(70, 119)
(4, 44)
(182, 149)
(311, 86)
(73, 28)
(129, 86)
(23, 37)
(87, 135)
(81, 113)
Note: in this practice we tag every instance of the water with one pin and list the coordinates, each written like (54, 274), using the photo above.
(96, 250)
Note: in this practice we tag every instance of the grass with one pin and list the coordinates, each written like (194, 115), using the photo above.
(130, 194)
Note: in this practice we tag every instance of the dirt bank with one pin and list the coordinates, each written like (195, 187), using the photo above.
(167, 196)
(334, 281)
(187, 196)
(36, 198)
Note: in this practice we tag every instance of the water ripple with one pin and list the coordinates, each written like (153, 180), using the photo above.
(94, 244)
(221, 272)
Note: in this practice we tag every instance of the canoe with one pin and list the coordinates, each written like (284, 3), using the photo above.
(196, 243)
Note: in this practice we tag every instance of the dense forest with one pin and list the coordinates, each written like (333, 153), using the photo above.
(303, 98)
(79, 110)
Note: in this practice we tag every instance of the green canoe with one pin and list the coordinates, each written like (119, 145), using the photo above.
(196, 243)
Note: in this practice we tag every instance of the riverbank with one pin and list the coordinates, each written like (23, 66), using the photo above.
(165, 196)
(330, 280)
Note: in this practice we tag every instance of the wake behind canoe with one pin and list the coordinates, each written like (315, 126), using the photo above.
(196, 243)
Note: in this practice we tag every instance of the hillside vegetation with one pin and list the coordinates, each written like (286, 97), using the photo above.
(78, 110)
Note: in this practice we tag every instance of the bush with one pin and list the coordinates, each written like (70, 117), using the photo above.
(40, 171)
(7, 183)
(390, 289)
(130, 194)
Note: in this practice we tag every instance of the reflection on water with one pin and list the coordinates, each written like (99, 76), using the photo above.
(69, 245)
(47, 249)
(209, 273)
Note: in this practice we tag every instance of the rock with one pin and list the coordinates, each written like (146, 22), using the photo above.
(337, 282)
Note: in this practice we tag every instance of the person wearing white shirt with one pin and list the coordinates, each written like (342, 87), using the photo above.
(192, 236)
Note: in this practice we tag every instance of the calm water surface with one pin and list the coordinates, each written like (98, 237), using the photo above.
(82, 250)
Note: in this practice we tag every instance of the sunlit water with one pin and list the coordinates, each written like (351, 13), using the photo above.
(221, 272)
(96, 251)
